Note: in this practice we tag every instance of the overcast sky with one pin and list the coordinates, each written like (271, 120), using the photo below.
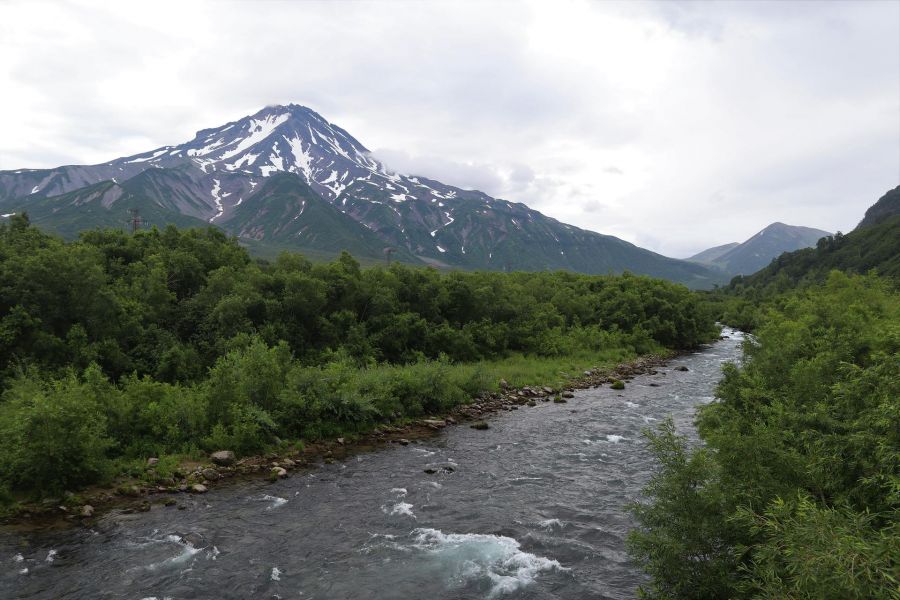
(676, 126)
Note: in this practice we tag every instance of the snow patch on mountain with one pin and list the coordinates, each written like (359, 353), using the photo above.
(259, 130)
(244, 161)
(156, 154)
(302, 158)
(217, 198)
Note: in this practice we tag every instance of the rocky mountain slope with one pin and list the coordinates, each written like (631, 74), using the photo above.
(709, 256)
(758, 251)
(287, 177)
(887, 206)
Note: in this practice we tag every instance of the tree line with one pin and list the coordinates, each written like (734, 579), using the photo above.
(117, 347)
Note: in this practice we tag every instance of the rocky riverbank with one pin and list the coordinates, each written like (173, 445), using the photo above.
(222, 468)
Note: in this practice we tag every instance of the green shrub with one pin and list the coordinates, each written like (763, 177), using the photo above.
(795, 493)
(248, 430)
(52, 435)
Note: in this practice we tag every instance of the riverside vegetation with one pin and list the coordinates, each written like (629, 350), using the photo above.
(174, 343)
(795, 492)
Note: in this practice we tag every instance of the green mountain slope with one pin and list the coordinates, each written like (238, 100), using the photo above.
(863, 249)
(886, 207)
(287, 213)
(709, 256)
(101, 205)
(758, 251)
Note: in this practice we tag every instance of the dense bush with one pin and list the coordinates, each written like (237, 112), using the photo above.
(120, 347)
(796, 492)
(53, 435)
(169, 303)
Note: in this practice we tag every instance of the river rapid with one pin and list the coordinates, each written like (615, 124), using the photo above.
(535, 507)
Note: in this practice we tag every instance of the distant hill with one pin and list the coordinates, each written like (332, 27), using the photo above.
(886, 207)
(709, 256)
(875, 246)
(286, 178)
(759, 250)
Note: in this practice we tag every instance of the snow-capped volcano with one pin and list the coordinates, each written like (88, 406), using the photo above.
(290, 138)
(287, 176)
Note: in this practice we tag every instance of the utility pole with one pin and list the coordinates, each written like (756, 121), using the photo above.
(135, 221)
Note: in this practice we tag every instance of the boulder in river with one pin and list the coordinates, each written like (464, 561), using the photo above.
(198, 488)
(193, 539)
(480, 425)
(279, 472)
(568, 395)
(618, 384)
(210, 474)
(87, 511)
(129, 490)
(223, 458)
(445, 468)
(681, 368)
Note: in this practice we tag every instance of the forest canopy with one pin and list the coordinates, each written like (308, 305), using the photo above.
(121, 346)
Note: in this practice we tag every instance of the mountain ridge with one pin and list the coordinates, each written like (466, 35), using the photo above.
(215, 177)
(884, 208)
(875, 246)
(709, 255)
(759, 249)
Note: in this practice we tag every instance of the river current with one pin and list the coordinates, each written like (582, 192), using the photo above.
(534, 508)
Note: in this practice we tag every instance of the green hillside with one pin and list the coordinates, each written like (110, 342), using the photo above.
(100, 206)
(287, 213)
(863, 249)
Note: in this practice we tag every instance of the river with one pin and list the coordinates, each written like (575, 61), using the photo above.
(534, 508)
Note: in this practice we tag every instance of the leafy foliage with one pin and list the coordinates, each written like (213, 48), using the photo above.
(177, 342)
(797, 490)
(53, 436)
(169, 303)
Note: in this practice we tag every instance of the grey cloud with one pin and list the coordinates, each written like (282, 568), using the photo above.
(787, 111)
(521, 174)
(467, 176)
(593, 206)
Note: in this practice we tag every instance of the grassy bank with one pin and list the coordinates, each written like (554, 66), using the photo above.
(59, 452)
(115, 348)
